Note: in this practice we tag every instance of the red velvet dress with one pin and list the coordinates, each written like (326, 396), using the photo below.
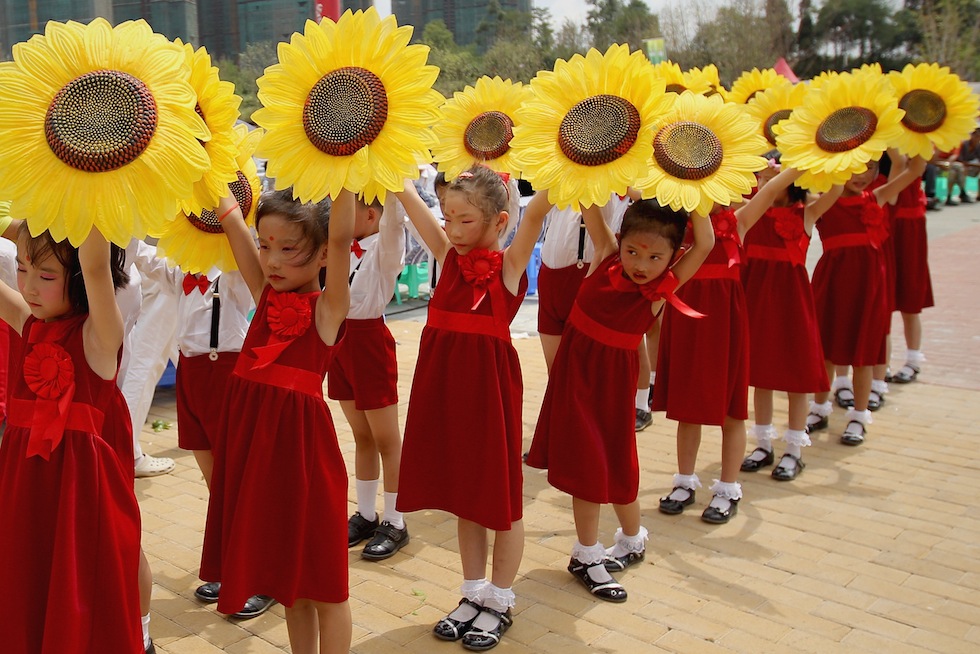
(913, 284)
(463, 432)
(69, 523)
(785, 353)
(585, 434)
(850, 288)
(703, 365)
(278, 512)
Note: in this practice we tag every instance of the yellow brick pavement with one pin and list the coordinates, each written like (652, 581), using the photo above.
(875, 548)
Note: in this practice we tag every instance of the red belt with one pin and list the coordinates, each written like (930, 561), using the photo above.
(909, 213)
(81, 417)
(468, 323)
(718, 271)
(846, 241)
(601, 333)
(275, 374)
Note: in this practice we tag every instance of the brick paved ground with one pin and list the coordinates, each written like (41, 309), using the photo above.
(872, 548)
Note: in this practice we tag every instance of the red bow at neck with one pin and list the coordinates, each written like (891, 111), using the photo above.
(200, 282)
(356, 249)
(658, 289)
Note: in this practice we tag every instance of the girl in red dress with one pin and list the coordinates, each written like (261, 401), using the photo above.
(70, 542)
(703, 373)
(589, 447)
(462, 450)
(785, 353)
(279, 478)
(850, 291)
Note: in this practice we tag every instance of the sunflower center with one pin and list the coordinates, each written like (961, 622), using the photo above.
(599, 130)
(345, 111)
(774, 120)
(675, 88)
(488, 135)
(925, 111)
(687, 150)
(208, 221)
(846, 129)
(101, 121)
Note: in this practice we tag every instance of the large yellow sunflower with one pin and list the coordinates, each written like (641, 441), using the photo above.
(940, 109)
(847, 121)
(100, 122)
(676, 81)
(587, 130)
(477, 127)
(773, 106)
(349, 105)
(754, 81)
(218, 105)
(705, 150)
(195, 241)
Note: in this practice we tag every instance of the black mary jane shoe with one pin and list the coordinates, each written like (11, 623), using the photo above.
(611, 591)
(620, 563)
(875, 400)
(821, 422)
(150, 649)
(452, 629)
(716, 516)
(360, 528)
(785, 473)
(675, 507)
(480, 640)
(387, 540)
(906, 374)
(208, 593)
(255, 606)
(844, 398)
(853, 437)
(753, 465)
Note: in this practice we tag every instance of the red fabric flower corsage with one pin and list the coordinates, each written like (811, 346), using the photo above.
(789, 226)
(49, 371)
(873, 218)
(288, 315)
(479, 268)
(725, 225)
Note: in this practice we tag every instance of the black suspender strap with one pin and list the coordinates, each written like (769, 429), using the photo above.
(215, 319)
(581, 243)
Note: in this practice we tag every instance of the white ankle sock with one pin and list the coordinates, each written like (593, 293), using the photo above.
(796, 439)
(624, 544)
(686, 485)
(396, 518)
(724, 493)
(653, 377)
(841, 381)
(763, 436)
(914, 357)
(367, 493)
(145, 623)
(472, 589)
(642, 399)
(498, 599)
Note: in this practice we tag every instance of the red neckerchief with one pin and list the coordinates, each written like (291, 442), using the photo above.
(661, 288)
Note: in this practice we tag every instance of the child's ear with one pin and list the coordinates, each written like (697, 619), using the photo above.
(502, 218)
(619, 240)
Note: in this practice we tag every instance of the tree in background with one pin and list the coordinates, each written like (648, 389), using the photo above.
(613, 21)
(457, 66)
(950, 34)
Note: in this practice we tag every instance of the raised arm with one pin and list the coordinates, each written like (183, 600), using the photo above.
(334, 302)
(888, 193)
(601, 234)
(391, 237)
(750, 212)
(102, 333)
(242, 245)
(519, 252)
(425, 223)
(819, 206)
(704, 241)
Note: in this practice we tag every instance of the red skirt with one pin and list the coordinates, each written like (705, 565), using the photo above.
(913, 283)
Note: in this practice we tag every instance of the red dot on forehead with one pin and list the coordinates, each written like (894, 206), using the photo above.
(272, 238)
(643, 247)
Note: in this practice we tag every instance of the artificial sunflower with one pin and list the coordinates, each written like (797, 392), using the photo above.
(587, 129)
(847, 121)
(101, 123)
(478, 126)
(195, 241)
(754, 81)
(676, 81)
(940, 109)
(218, 105)
(705, 150)
(773, 106)
(706, 78)
(349, 105)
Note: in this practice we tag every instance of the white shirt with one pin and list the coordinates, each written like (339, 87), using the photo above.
(561, 233)
(375, 273)
(194, 310)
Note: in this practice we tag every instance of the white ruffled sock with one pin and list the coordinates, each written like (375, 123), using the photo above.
(685, 485)
(724, 492)
(625, 544)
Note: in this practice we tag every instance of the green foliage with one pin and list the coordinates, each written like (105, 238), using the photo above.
(251, 65)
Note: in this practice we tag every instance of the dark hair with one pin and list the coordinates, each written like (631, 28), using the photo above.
(313, 218)
(484, 189)
(795, 193)
(649, 216)
(42, 246)
(440, 180)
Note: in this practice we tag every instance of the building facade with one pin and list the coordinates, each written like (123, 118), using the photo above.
(462, 17)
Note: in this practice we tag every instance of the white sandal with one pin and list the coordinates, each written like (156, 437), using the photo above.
(153, 466)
